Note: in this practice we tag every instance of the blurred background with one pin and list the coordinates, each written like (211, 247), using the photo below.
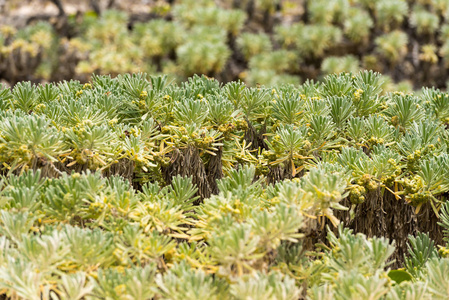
(257, 41)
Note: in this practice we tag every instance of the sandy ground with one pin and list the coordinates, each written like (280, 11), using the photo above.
(17, 12)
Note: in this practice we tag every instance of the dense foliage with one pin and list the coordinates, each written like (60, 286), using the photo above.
(257, 41)
(137, 188)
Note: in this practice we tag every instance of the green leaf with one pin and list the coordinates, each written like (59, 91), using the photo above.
(399, 276)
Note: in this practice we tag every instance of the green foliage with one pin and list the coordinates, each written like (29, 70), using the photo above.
(260, 42)
(204, 53)
(399, 276)
(357, 25)
(437, 278)
(333, 64)
(390, 13)
(137, 188)
(392, 46)
(421, 249)
(404, 110)
(424, 21)
(254, 44)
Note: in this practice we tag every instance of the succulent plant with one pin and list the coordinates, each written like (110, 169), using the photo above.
(424, 21)
(135, 187)
(390, 13)
(357, 25)
(334, 64)
(253, 44)
(393, 46)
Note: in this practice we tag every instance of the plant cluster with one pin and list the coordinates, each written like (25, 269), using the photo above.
(258, 42)
(135, 187)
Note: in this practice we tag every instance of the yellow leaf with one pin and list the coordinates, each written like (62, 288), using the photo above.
(72, 163)
(180, 235)
(418, 208)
